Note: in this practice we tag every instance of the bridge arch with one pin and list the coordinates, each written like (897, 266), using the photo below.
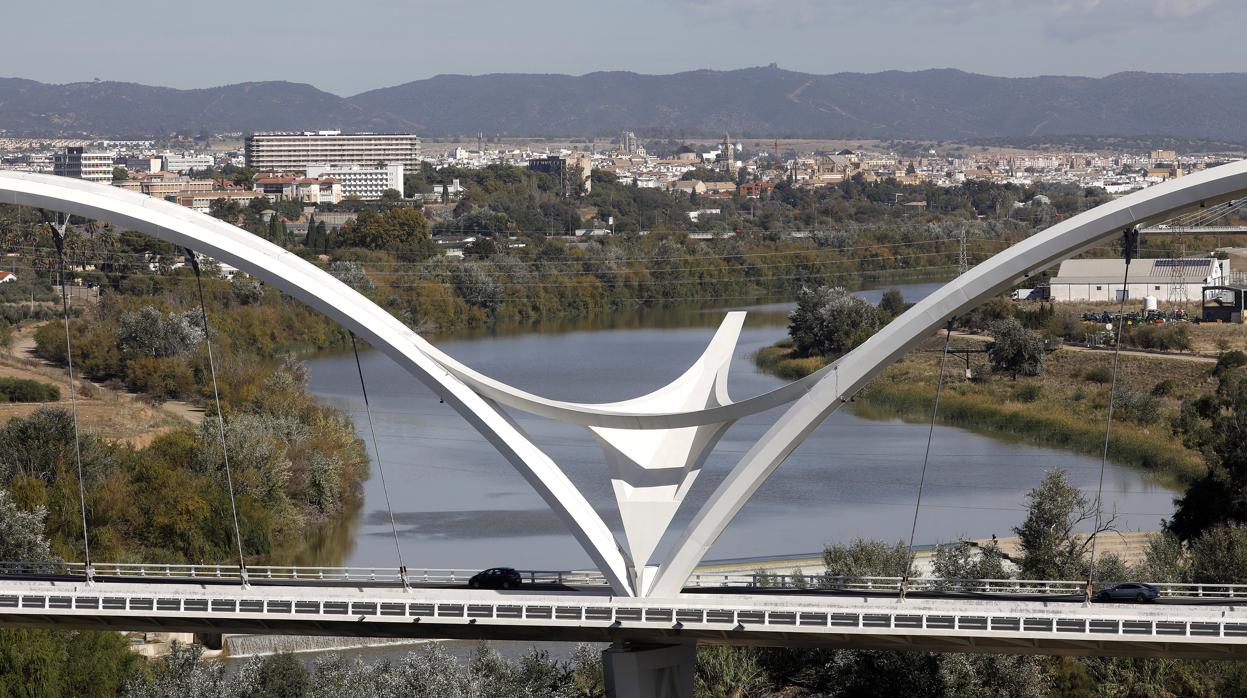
(704, 416)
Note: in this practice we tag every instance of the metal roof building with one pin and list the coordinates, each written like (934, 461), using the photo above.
(1174, 280)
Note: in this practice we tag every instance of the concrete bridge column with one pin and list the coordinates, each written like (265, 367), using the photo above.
(649, 671)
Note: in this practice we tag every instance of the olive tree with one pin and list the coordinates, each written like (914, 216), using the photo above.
(830, 321)
(1055, 510)
(1014, 349)
(21, 532)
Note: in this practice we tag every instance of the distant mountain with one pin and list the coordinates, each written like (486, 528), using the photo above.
(764, 102)
(123, 109)
(753, 102)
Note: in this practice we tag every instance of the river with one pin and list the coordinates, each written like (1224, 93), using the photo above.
(459, 504)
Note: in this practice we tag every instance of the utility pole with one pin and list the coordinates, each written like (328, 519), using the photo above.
(963, 254)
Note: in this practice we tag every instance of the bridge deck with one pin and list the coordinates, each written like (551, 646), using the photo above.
(980, 625)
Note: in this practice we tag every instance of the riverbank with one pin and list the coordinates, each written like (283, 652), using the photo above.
(1064, 408)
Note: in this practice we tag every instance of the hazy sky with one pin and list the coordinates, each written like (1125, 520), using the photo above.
(349, 47)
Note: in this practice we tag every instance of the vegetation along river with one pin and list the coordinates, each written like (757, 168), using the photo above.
(459, 504)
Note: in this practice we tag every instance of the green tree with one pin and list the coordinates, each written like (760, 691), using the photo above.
(120, 174)
(830, 321)
(1047, 536)
(1014, 349)
(1214, 425)
(393, 230)
(962, 560)
(865, 558)
(892, 303)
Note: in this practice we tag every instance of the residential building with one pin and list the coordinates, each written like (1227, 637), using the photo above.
(165, 185)
(311, 190)
(366, 183)
(79, 163)
(1097, 280)
(201, 201)
(277, 152)
(754, 190)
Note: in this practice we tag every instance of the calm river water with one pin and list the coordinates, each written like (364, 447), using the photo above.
(459, 504)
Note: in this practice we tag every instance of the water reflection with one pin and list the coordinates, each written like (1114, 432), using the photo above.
(459, 504)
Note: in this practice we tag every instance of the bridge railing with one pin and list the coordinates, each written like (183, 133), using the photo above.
(287, 573)
(580, 578)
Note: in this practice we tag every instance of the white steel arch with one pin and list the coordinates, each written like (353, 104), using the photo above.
(655, 444)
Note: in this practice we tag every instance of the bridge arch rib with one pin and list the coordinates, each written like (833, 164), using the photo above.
(853, 371)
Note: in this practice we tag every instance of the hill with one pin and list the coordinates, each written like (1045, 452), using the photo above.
(752, 102)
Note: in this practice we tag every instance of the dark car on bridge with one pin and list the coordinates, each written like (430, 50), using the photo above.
(496, 578)
(1138, 592)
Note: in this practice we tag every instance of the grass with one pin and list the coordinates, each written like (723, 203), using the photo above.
(1060, 409)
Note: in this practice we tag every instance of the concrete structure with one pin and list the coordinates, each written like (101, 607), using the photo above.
(655, 444)
(573, 173)
(1209, 630)
(310, 190)
(201, 201)
(367, 183)
(80, 163)
(1097, 280)
(182, 163)
(279, 152)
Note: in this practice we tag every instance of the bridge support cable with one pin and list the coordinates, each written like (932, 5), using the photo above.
(220, 417)
(376, 452)
(926, 458)
(58, 237)
(1130, 242)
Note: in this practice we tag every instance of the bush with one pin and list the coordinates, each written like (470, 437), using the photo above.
(1169, 337)
(1098, 374)
(1229, 361)
(1164, 388)
(21, 390)
(1015, 350)
(1137, 407)
(1029, 392)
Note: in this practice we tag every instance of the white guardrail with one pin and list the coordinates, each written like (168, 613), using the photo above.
(1047, 626)
(593, 578)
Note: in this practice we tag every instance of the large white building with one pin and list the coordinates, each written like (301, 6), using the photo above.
(367, 183)
(1098, 280)
(79, 163)
(182, 163)
(284, 152)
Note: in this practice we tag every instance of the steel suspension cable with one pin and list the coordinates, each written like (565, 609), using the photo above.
(376, 450)
(58, 236)
(926, 457)
(220, 417)
(1130, 238)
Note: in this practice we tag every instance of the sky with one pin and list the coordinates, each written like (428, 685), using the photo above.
(351, 47)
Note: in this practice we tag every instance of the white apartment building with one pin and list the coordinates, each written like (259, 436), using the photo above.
(183, 163)
(76, 162)
(367, 183)
(284, 152)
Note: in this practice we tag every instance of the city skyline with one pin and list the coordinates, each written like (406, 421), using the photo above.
(1005, 38)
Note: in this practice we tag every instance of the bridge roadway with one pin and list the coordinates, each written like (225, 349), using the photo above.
(1213, 629)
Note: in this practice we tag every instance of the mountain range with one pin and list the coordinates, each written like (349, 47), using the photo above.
(752, 102)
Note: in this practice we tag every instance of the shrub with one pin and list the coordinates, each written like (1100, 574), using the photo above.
(1098, 374)
(1137, 407)
(21, 390)
(1029, 392)
(1164, 388)
(1229, 361)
